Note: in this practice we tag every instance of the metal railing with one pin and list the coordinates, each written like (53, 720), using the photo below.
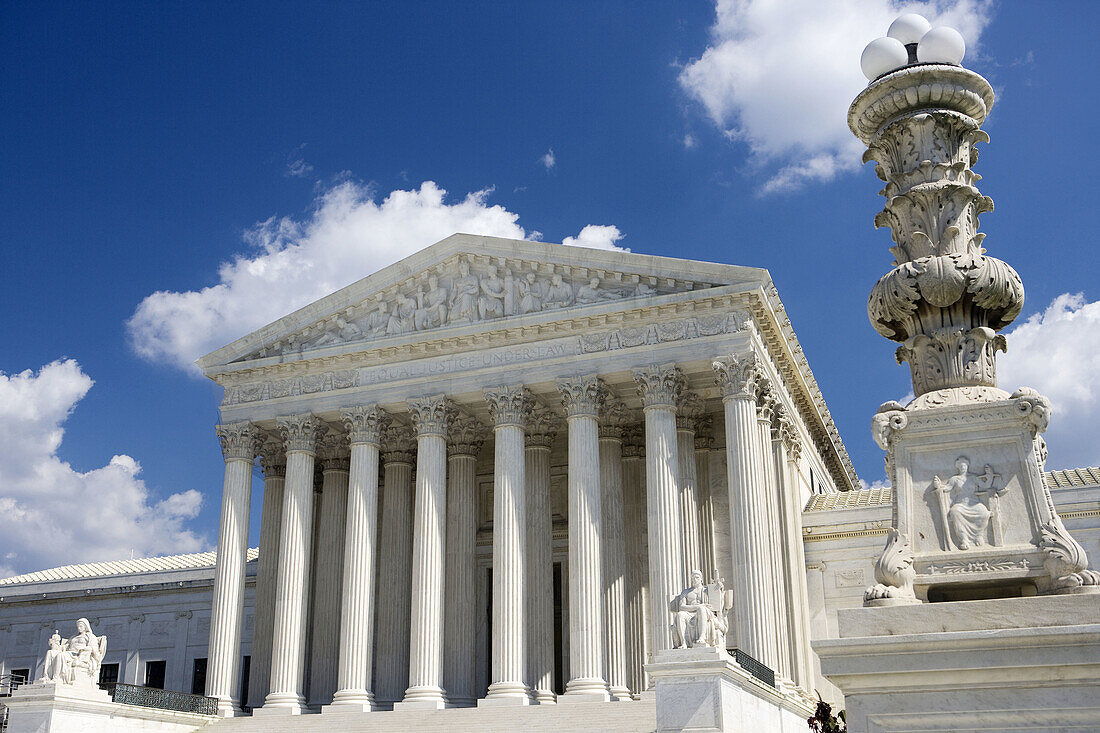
(757, 669)
(151, 697)
(8, 684)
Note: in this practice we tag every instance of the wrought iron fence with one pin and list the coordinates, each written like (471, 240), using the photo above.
(757, 669)
(151, 697)
(8, 684)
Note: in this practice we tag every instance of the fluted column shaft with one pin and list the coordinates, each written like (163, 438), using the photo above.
(394, 568)
(581, 397)
(787, 452)
(325, 645)
(508, 407)
(292, 590)
(273, 460)
(689, 496)
(613, 552)
(356, 638)
(540, 567)
(637, 565)
(431, 416)
(239, 442)
(460, 630)
(708, 550)
(659, 388)
(755, 618)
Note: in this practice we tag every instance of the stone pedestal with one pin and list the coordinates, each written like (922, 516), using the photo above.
(50, 707)
(703, 689)
(1020, 664)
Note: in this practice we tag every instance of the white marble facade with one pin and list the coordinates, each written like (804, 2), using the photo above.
(496, 408)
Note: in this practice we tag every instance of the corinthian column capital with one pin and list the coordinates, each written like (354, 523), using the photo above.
(689, 411)
(300, 431)
(272, 456)
(240, 440)
(509, 405)
(659, 386)
(614, 418)
(582, 395)
(542, 426)
(466, 436)
(766, 401)
(398, 444)
(788, 432)
(737, 376)
(364, 423)
(431, 415)
(333, 449)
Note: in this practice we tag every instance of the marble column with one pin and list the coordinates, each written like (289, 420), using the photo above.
(689, 409)
(541, 430)
(788, 451)
(394, 566)
(660, 388)
(613, 418)
(355, 691)
(753, 615)
(708, 548)
(273, 462)
(766, 401)
(431, 417)
(582, 397)
(325, 619)
(288, 645)
(637, 562)
(508, 407)
(465, 439)
(240, 441)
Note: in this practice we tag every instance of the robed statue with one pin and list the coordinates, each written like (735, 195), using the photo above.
(76, 660)
(699, 613)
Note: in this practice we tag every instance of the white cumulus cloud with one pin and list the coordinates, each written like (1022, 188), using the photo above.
(548, 160)
(290, 263)
(1057, 352)
(52, 514)
(779, 75)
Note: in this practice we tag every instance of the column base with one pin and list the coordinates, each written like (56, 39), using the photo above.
(544, 697)
(228, 708)
(423, 697)
(585, 689)
(283, 703)
(620, 694)
(345, 701)
(506, 694)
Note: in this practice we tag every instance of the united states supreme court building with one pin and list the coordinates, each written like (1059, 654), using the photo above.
(512, 485)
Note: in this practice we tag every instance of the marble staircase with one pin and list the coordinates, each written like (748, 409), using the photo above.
(633, 717)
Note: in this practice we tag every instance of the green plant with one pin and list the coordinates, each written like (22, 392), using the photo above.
(824, 721)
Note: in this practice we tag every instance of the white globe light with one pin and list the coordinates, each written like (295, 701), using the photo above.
(883, 55)
(909, 28)
(941, 45)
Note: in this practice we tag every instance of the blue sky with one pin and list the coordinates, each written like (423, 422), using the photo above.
(145, 145)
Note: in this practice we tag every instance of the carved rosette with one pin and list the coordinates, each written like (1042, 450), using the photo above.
(300, 432)
(364, 423)
(542, 426)
(660, 386)
(509, 405)
(945, 299)
(240, 440)
(689, 411)
(272, 456)
(582, 396)
(431, 415)
(466, 436)
(398, 444)
(736, 376)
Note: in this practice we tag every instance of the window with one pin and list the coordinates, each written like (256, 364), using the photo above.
(20, 676)
(198, 677)
(108, 674)
(154, 674)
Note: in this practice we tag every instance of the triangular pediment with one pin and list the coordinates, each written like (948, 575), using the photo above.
(466, 280)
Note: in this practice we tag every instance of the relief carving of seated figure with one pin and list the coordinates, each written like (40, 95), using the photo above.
(559, 295)
(591, 292)
(968, 516)
(699, 614)
(76, 660)
(464, 298)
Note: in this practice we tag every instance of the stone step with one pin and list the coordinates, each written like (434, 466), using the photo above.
(612, 717)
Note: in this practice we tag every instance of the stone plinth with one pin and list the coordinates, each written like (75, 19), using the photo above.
(703, 689)
(57, 708)
(1021, 664)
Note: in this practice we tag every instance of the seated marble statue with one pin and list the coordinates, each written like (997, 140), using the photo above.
(76, 660)
(699, 614)
(967, 517)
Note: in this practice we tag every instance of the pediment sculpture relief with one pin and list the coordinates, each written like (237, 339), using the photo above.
(458, 292)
